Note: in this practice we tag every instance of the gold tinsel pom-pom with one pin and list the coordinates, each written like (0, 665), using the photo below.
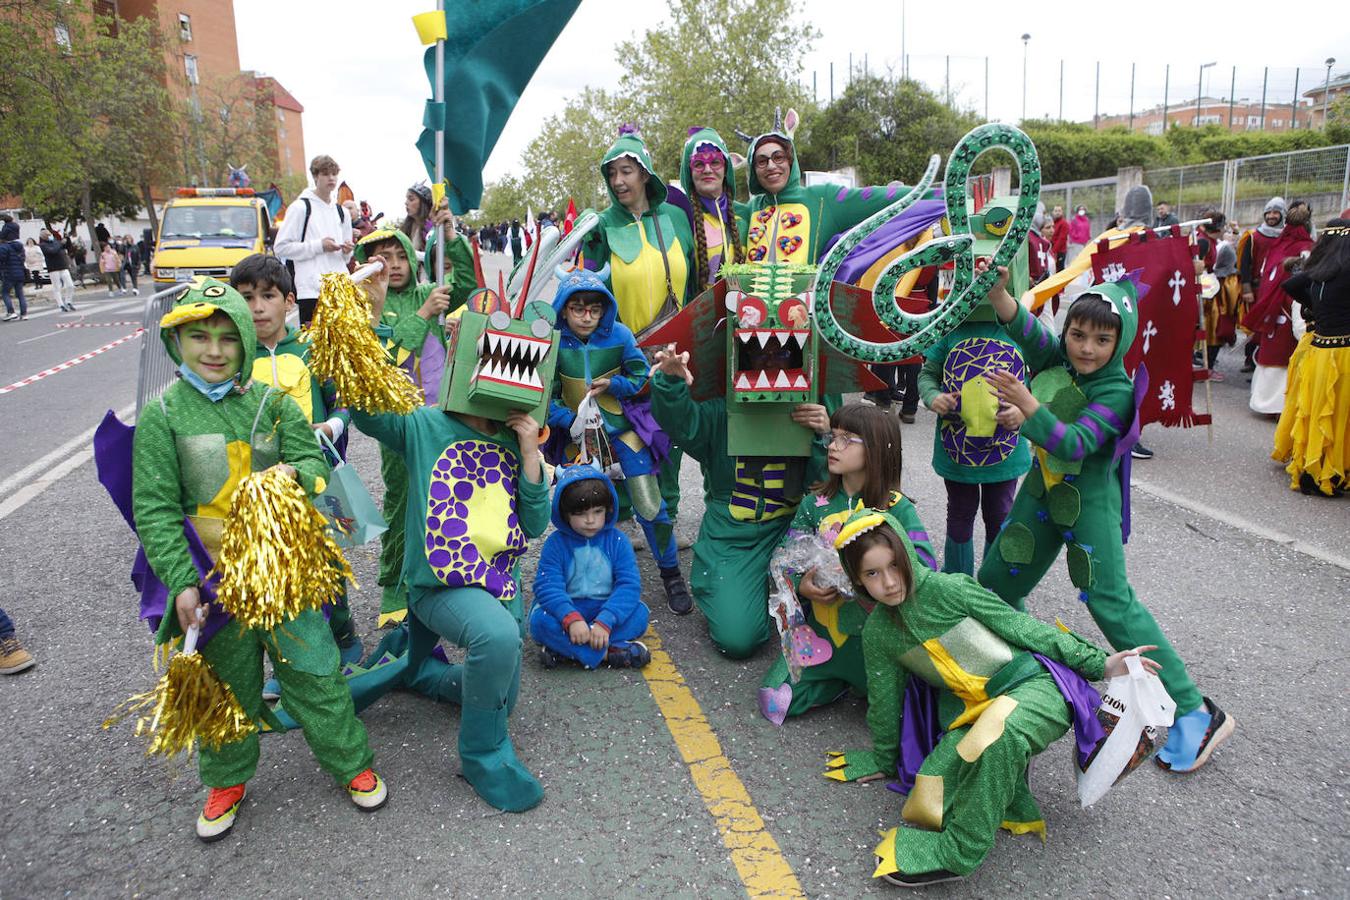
(343, 347)
(276, 557)
(189, 703)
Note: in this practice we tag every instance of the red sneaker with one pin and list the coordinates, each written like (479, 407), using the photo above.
(217, 818)
(368, 791)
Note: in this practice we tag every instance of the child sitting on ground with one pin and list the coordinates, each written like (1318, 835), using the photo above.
(587, 591)
(283, 361)
(598, 357)
(193, 447)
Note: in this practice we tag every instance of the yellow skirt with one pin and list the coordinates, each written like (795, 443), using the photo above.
(1313, 435)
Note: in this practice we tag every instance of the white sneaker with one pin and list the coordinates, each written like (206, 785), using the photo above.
(11, 317)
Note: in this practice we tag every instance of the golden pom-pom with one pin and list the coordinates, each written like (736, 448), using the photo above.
(344, 348)
(276, 556)
(188, 704)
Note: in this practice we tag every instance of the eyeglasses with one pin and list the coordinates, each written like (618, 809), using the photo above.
(841, 439)
(777, 159)
(590, 309)
(711, 165)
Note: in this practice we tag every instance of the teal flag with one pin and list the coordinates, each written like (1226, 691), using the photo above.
(492, 49)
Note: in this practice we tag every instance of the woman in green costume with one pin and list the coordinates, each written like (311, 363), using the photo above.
(864, 461)
(999, 702)
(708, 176)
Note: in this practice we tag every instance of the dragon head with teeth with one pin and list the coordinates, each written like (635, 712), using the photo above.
(499, 363)
(771, 347)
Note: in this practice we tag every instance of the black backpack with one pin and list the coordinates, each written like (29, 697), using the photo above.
(304, 230)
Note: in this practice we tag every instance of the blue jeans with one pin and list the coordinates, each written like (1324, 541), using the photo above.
(6, 626)
(17, 287)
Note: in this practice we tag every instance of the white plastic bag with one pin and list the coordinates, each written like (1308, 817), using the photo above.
(1136, 712)
(588, 433)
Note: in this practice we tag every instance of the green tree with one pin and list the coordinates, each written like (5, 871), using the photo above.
(725, 64)
(504, 200)
(72, 104)
(885, 127)
(564, 160)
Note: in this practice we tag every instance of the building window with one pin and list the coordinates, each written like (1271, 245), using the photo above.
(1210, 120)
(184, 27)
(190, 67)
(62, 37)
(1276, 123)
(1253, 121)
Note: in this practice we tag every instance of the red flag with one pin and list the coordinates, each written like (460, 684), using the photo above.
(570, 218)
(1168, 318)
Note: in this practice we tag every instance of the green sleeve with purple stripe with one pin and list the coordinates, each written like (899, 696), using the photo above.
(908, 516)
(1106, 417)
(1038, 343)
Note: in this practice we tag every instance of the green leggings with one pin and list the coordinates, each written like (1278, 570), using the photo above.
(1123, 620)
(395, 476)
(964, 794)
(489, 631)
(305, 662)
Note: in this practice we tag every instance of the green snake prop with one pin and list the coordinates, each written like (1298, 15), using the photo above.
(925, 329)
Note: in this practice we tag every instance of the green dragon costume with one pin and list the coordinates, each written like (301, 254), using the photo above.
(471, 514)
(191, 452)
(836, 623)
(723, 220)
(406, 337)
(648, 256)
(996, 706)
(1073, 498)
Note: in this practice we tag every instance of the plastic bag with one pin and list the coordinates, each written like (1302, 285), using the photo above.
(353, 517)
(1136, 712)
(593, 447)
(801, 553)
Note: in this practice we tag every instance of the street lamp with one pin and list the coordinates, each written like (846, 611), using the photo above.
(1199, 92)
(1026, 39)
(1326, 92)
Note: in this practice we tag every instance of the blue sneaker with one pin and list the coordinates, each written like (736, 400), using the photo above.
(1194, 737)
(628, 655)
(271, 690)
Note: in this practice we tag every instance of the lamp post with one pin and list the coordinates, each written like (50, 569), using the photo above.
(1199, 90)
(1326, 92)
(1026, 39)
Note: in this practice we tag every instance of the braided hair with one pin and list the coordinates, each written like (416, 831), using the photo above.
(731, 243)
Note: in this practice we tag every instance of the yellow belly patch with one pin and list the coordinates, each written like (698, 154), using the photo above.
(987, 729)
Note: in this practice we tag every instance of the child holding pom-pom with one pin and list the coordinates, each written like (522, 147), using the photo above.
(193, 446)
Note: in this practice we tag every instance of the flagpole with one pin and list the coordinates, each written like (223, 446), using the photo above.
(438, 94)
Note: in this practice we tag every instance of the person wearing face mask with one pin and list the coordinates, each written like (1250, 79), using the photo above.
(707, 174)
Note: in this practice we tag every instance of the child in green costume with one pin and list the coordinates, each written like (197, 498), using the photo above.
(193, 446)
(748, 504)
(999, 687)
(864, 461)
(1079, 412)
(283, 362)
(409, 328)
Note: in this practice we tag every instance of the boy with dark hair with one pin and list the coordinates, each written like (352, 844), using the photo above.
(409, 325)
(1081, 415)
(587, 591)
(282, 360)
(598, 357)
(193, 446)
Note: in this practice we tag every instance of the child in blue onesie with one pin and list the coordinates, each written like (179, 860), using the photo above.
(587, 591)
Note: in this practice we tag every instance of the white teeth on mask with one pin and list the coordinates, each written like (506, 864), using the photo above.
(782, 380)
(743, 382)
(491, 342)
(762, 382)
(800, 384)
(482, 338)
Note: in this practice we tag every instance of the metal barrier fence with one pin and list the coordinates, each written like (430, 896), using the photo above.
(157, 368)
(1239, 187)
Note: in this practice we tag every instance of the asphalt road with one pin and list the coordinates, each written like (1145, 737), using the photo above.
(1261, 623)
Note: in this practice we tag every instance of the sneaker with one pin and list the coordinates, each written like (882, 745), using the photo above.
(271, 690)
(23, 318)
(13, 658)
(923, 879)
(1139, 451)
(628, 655)
(1221, 726)
(1216, 376)
(11, 317)
(907, 416)
(549, 658)
(678, 598)
(368, 791)
(222, 808)
(70, 307)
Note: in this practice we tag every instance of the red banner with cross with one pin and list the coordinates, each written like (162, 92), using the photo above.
(1169, 315)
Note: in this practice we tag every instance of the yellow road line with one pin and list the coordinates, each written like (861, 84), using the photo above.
(758, 859)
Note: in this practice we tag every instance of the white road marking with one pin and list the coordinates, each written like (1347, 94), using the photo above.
(37, 476)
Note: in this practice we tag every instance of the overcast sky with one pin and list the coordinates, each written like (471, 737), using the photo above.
(357, 66)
